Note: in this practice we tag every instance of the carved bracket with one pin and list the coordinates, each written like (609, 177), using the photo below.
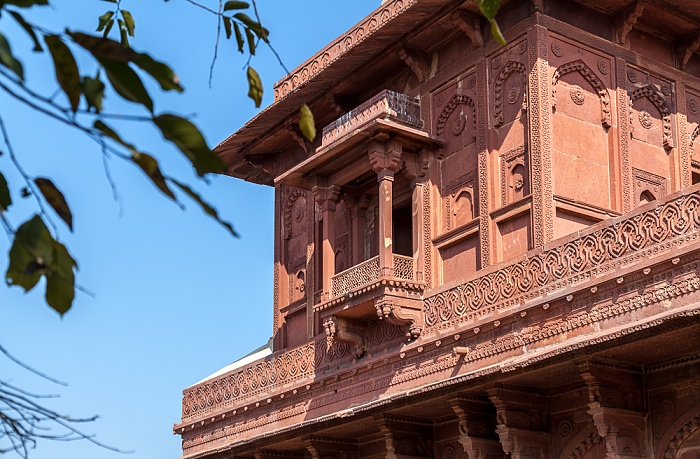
(406, 437)
(477, 427)
(401, 315)
(627, 21)
(470, 25)
(347, 331)
(417, 61)
(385, 156)
(686, 48)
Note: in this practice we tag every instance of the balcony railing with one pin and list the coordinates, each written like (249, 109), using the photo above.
(355, 277)
(369, 271)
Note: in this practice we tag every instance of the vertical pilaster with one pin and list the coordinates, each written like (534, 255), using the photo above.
(277, 342)
(326, 198)
(358, 219)
(310, 265)
(684, 139)
(540, 110)
(623, 108)
(483, 161)
(417, 171)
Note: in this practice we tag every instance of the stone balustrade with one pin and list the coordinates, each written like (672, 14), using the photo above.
(355, 277)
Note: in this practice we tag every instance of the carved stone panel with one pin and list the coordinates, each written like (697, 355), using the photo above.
(515, 177)
(459, 201)
(647, 186)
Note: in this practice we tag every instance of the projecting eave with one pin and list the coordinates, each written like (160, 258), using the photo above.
(330, 83)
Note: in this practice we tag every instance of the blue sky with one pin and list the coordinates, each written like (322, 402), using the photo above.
(176, 298)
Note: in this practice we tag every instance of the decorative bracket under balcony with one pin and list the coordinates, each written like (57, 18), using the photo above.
(401, 313)
(347, 331)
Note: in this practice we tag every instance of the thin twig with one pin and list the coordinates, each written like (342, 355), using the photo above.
(216, 44)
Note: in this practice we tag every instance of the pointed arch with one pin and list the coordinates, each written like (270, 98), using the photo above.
(508, 69)
(592, 79)
(457, 99)
(694, 135)
(687, 426)
(660, 104)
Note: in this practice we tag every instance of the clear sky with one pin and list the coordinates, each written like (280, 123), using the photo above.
(176, 298)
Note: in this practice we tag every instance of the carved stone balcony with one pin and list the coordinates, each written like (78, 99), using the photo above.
(368, 271)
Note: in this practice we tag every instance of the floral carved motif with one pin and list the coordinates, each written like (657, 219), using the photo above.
(288, 210)
(509, 68)
(523, 278)
(659, 102)
(457, 99)
(593, 80)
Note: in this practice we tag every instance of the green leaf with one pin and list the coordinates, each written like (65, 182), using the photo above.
(127, 83)
(5, 197)
(8, 60)
(36, 253)
(30, 254)
(233, 5)
(149, 166)
(110, 23)
(159, 71)
(207, 208)
(239, 37)
(29, 29)
(104, 19)
(112, 134)
(496, 33)
(123, 34)
(227, 26)
(55, 199)
(251, 41)
(489, 8)
(66, 69)
(93, 89)
(25, 3)
(129, 22)
(60, 280)
(255, 88)
(306, 123)
(255, 26)
(190, 142)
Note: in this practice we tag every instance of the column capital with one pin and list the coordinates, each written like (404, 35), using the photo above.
(385, 155)
(325, 194)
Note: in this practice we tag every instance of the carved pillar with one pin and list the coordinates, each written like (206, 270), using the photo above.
(386, 161)
(540, 110)
(358, 217)
(616, 406)
(521, 422)
(623, 108)
(277, 333)
(416, 169)
(477, 428)
(685, 179)
(326, 198)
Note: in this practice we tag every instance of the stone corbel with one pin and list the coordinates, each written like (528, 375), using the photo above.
(412, 437)
(614, 409)
(627, 21)
(470, 25)
(323, 447)
(347, 331)
(477, 427)
(686, 48)
(519, 421)
(417, 61)
(401, 315)
(415, 167)
(385, 156)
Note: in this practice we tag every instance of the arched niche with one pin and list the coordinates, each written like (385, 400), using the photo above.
(595, 83)
(462, 120)
(510, 87)
(462, 206)
(646, 120)
(682, 439)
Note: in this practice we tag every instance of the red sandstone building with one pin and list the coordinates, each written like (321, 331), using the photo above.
(489, 251)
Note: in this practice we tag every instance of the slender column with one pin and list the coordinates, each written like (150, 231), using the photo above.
(386, 160)
(358, 216)
(326, 198)
(416, 171)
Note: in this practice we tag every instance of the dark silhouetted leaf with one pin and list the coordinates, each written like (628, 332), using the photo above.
(255, 26)
(29, 29)
(60, 280)
(93, 89)
(129, 22)
(8, 59)
(112, 134)
(207, 208)
(25, 3)
(239, 37)
(160, 72)
(103, 20)
(123, 33)
(233, 5)
(255, 88)
(127, 83)
(108, 28)
(227, 26)
(55, 199)
(66, 69)
(149, 166)
(307, 125)
(5, 198)
(190, 142)
(103, 48)
(251, 41)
